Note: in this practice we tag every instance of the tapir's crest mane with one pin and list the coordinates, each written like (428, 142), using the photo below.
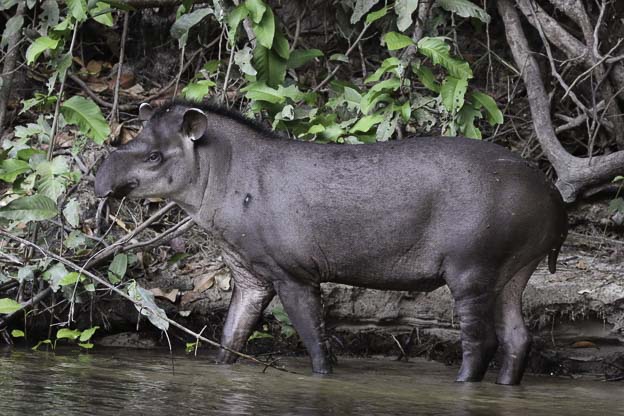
(179, 105)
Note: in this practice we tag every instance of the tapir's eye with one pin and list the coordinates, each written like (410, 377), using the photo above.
(154, 157)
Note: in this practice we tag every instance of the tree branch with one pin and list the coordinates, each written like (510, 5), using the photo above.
(7, 70)
(574, 174)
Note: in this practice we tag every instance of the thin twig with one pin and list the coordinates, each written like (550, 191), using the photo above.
(57, 108)
(124, 35)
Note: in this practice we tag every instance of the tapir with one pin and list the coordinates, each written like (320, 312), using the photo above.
(412, 214)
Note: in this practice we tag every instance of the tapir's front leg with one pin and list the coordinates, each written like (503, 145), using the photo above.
(246, 306)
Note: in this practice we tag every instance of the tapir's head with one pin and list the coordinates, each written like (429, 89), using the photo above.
(161, 161)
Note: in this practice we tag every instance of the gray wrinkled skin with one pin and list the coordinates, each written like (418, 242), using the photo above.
(413, 214)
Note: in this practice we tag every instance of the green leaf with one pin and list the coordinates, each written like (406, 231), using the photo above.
(287, 331)
(390, 64)
(617, 205)
(40, 343)
(117, 268)
(71, 278)
(464, 8)
(426, 77)
(316, 129)
(148, 307)
(339, 57)
(39, 46)
(465, 122)
(301, 57)
(29, 208)
(77, 9)
(71, 212)
(376, 15)
(9, 306)
(17, 333)
(235, 17)
(54, 275)
(259, 91)
(88, 333)
(256, 8)
(259, 335)
(280, 314)
(75, 239)
(452, 93)
(395, 41)
(280, 45)
(10, 169)
(265, 29)
(406, 111)
(85, 345)
(196, 91)
(493, 113)
(365, 123)
(360, 8)
(65, 333)
(87, 116)
(270, 66)
(180, 28)
(386, 128)
(390, 84)
(242, 58)
(436, 49)
(100, 15)
(13, 26)
(404, 10)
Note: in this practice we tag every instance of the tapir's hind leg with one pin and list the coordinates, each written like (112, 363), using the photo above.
(302, 303)
(474, 302)
(511, 331)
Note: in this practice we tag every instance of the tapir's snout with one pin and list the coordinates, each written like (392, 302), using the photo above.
(111, 180)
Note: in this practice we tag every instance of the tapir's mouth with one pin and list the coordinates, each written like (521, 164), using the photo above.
(118, 191)
(125, 189)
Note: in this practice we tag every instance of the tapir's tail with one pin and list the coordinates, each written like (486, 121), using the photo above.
(552, 259)
(554, 252)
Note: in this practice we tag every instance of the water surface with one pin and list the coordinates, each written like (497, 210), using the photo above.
(137, 382)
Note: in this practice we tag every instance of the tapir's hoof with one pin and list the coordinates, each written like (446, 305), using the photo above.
(322, 368)
(508, 381)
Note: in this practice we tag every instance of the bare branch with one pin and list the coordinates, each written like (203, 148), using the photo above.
(574, 174)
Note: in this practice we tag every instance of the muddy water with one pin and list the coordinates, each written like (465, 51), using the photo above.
(112, 382)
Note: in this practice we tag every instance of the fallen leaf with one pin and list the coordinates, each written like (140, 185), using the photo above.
(189, 297)
(170, 296)
(582, 265)
(126, 80)
(203, 283)
(136, 90)
(94, 67)
(65, 139)
(223, 279)
(98, 86)
(119, 222)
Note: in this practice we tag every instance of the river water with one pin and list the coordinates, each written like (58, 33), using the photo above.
(138, 382)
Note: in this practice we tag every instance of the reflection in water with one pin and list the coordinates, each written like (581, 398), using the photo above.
(139, 382)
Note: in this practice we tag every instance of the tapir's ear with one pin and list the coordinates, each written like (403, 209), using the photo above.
(145, 112)
(194, 123)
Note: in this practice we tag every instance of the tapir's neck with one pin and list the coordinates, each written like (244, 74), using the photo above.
(203, 199)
